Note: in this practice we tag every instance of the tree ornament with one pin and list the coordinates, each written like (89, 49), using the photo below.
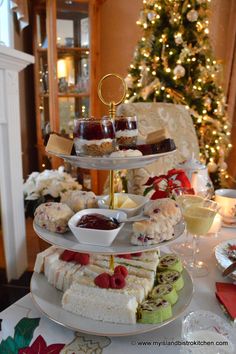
(154, 85)
(207, 103)
(129, 81)
(192, 15)
(223, 165)
(212, 166)
(144, 75)
(178, 38)
(184, 53)
(179, 71)
(151, 15)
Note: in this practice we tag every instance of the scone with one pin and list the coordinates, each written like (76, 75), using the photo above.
(53, 216)
(149, 232)
(79, 200)
(166, 206)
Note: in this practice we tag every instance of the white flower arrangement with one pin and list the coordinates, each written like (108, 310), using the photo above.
(49, 182)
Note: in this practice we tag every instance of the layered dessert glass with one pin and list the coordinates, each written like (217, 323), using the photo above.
(126, 130)
(94, 137)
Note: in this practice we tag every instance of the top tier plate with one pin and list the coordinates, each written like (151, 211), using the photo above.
(111, 163)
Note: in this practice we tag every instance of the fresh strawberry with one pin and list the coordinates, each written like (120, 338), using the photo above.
(81, 258)
(138, 254)
(117, 281)
(67, 256)
(120, 269)
(103, 280)
(125, 256)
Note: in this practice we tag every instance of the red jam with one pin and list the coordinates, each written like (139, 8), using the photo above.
(98, 222)
(91, 129)
(125, 123)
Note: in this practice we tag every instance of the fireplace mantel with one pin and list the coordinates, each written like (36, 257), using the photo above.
(11, 179)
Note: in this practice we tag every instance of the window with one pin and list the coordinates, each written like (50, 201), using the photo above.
(6, 29)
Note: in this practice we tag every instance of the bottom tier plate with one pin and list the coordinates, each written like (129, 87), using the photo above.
(48, 300)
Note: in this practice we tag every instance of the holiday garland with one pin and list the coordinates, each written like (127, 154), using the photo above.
(173, 62)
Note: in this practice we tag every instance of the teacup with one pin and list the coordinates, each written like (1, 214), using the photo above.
(226, 198)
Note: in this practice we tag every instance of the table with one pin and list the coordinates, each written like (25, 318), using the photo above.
(36, 325)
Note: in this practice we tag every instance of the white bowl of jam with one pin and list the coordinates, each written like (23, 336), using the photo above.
(97, 226)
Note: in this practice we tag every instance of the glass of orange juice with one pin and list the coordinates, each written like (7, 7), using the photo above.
(199, 218)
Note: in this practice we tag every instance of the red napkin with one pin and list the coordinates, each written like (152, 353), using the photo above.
(226, 294)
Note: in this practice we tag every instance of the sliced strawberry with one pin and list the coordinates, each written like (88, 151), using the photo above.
(125, 256)
(81, 258)
(117, 281)
(103, 280)
(67, 256)
(121, 270)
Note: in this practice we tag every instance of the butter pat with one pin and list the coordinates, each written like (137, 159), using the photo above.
(129, 204)
(157, 136)
(59, 145)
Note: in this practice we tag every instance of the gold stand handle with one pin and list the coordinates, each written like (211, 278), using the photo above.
(112, 112)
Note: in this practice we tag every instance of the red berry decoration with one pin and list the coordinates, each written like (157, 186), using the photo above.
(117, 281)
(81, 258)
(125, 256)
(67, 256)
(103, 280)
(120, 269)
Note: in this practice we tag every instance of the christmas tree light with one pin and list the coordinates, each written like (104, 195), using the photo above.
(174, 63)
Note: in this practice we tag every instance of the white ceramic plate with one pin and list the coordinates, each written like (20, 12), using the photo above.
(111, 163)
(120, 245)
(222, 259)
(48, 300)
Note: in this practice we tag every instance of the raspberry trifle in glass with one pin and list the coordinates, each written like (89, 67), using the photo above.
(126, 130)
(94, 137)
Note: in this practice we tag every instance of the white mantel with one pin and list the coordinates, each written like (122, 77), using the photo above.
(11, 179)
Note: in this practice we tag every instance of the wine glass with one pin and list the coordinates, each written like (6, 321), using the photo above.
(181, 195)
(199, 218)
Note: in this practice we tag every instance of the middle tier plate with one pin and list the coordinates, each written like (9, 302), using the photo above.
(121, 244)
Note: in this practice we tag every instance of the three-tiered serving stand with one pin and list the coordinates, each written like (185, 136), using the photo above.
(48, 299)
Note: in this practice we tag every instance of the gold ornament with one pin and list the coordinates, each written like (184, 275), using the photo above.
(176, 95)
(212, 167)
(178, 38)
(146, 91)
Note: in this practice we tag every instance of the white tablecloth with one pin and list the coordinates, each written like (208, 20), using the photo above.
(152, 342)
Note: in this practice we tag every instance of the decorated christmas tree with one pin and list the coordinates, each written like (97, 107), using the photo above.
(174, 63)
